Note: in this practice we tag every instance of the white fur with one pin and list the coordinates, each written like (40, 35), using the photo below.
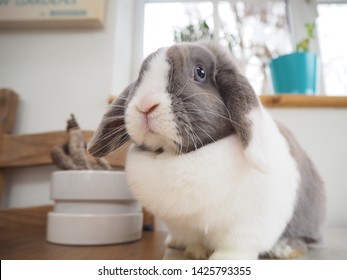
(261, 132)
(158, 129)
(215, 198)
(219, 201)
(282, 249)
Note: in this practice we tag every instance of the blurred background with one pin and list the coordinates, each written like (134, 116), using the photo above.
(58, 70)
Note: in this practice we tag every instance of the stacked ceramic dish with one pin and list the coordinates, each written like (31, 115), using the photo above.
(92, 207)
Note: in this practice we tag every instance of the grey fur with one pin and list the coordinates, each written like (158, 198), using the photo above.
(237, 93)
(226, 93)
(205, 112)
(111, 133)
(200, 113)
(308, 218)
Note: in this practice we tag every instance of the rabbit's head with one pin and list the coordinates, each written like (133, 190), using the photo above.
(186, 96)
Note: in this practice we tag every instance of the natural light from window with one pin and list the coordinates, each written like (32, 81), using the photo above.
(161, 19)
(332, 22)
(259, 32)
(256, 31)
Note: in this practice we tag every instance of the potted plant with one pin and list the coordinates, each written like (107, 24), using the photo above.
(202, 31)
(296, 72)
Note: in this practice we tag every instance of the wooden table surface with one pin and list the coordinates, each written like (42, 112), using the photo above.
(30, 243)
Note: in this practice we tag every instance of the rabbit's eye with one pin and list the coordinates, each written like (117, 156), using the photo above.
(199, 73)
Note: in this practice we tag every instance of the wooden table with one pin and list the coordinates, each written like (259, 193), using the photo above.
(30, 243)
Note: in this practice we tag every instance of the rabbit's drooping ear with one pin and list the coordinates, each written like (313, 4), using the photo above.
(111, 133)
(244, 107)
(261, 131)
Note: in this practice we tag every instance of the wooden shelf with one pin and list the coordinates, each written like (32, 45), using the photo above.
(308, 101)
(35, 149)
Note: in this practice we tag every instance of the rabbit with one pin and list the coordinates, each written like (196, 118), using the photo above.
(206, 157)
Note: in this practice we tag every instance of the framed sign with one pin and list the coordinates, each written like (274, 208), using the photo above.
(52, 13)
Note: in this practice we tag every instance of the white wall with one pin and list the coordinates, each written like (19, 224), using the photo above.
(58, 72)
(64, 71)
(323, 134)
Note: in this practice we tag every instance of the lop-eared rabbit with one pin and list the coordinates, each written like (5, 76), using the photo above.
(229, 181)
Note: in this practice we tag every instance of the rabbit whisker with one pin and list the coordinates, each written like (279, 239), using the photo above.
(194, 135)
(208, 135)
(112, 118)
(117, 106)
(120, 97)
(198, 112)
(182, 89)
(109, 143)
(210, 95)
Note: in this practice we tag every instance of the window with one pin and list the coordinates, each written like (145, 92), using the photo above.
(333, 43)
(260, 31)
(255, 31)
(161, 20)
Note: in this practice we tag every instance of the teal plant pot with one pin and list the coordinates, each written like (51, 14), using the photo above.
(294, 73)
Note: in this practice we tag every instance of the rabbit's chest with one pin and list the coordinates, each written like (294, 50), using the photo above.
(184, 184)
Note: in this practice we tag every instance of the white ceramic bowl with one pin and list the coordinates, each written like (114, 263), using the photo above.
(92, 207)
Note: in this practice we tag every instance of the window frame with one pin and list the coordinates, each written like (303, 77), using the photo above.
(298, 13)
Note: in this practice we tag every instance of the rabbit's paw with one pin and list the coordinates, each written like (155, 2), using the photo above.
(197, 252)
(287, 248)
(225, 254)
(172, 243)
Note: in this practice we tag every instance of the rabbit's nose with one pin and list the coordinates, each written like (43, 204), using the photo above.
(147, 104)
(150, 109)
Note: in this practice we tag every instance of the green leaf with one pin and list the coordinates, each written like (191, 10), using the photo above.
(304, 44)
